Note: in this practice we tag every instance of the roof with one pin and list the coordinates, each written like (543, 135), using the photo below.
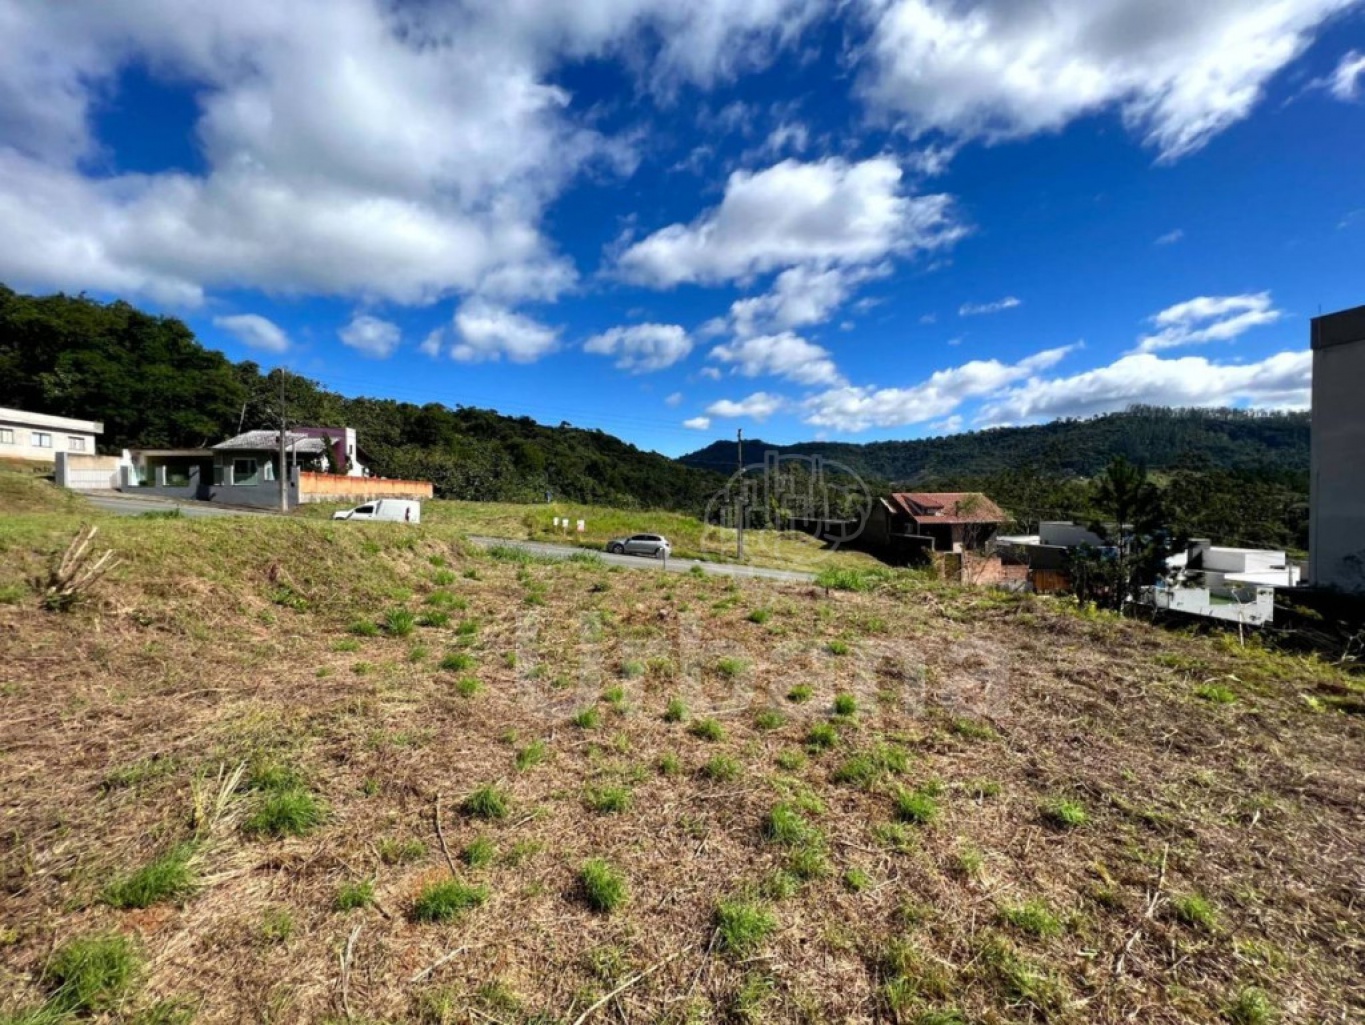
(61, 423)
(163, 453)
(949, 507)
(1344, 327)
(269, 441)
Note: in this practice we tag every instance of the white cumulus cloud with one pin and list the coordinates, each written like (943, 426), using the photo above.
(1178, 72)
(854, 408)
(488, 332)
(1209, 319)
(758, 406)
(1281, 381)
(698, 423)
(981, 309)
(824, 213)
(371, 336)
(785, 355)
(255, 331)
(642, 348)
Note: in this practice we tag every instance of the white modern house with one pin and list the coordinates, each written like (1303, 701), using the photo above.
(39, 437)
(1236, 585)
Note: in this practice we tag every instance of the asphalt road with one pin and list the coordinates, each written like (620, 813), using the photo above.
(134, 505)
(641, 562)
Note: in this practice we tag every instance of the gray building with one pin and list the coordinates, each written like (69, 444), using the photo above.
(1336, 525)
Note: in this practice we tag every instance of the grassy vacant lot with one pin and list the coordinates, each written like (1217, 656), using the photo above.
(289, 771)
(690, 537)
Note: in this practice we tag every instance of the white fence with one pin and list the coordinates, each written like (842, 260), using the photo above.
(87, 473)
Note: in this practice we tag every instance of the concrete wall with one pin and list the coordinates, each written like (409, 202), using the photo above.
(87, 473)
(330, 487)
(1336, 526)
(252, 496)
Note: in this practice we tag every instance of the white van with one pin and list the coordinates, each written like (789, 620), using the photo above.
(391, 510)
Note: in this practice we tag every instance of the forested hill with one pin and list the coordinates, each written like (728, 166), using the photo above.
(153, 385)
(1273, 444)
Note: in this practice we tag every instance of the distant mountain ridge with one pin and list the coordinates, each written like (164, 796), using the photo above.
(1159, 437)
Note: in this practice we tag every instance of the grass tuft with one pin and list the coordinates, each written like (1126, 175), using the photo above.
(1063, 813)
(292, 811)
(1032, 917)
(604, 888)
(676, 710)
(479, 852)
(488, 802)
(167, 877)
(608, 800)
(1250, 1007)
(916, 806)
(588, 719)
(443, 901)
(769, 719)
(1193, 910)
(707, 729)
(800, 694)
(822, 737)
(91, 974)
(721, 769)
(353, 896)
(742, 926)
(531, 755)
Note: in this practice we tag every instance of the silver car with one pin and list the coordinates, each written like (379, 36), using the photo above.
(654, 545)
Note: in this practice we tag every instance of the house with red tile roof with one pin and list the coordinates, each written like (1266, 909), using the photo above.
(941, 521)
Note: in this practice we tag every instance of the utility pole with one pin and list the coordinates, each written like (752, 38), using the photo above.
(739, 519)
(284, 465)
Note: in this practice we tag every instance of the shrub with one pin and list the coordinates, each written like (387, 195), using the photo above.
(292, 811)
(1064, 814)
(92, 973)
(604, 888)
(743, 926)
(440, 902)
(167, 877)
(487, 802)
(676, 710)
(707, 729)
(353, 896)
(721, 769)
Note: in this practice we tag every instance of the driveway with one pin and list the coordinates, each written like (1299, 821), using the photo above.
(136, 505)
(720, 569)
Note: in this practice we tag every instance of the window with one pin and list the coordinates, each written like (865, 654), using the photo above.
(42, 440)
(244, 471)
(75, 444)
(365, 510)
(6, 436)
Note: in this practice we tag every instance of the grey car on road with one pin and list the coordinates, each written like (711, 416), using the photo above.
(654, 545)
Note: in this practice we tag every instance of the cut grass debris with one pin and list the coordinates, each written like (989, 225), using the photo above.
(742, 926)
(604, 888)
(707, 729)
(353, 896)
(489, 802)
(91, 974)
(168, 877)
(1063, 813)
(446, 900)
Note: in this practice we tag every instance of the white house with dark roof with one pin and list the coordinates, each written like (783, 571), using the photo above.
(39, 436)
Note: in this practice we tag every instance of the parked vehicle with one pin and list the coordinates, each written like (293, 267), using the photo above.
(654, 545)
(391, 510)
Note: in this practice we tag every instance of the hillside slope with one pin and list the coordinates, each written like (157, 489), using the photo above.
(480, 788)
(1163, 439)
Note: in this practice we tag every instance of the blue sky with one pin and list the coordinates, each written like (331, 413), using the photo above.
(807, 219)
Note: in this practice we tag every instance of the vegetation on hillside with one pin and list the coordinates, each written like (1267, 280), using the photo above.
(880, 800)
(154, 385)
